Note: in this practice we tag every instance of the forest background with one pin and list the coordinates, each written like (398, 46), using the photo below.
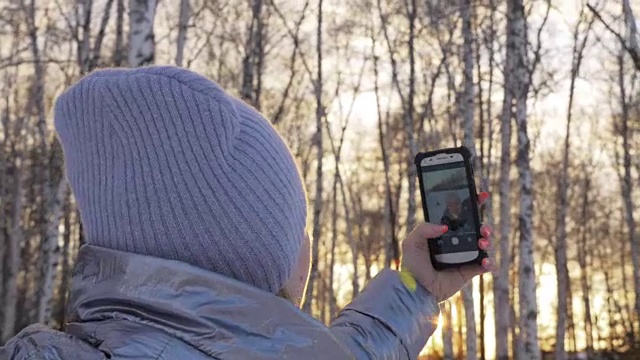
(545, 93)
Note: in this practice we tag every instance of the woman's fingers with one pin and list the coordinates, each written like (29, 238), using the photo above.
(484, 244)
(486, 264)
(485, 231)
(482, 197)
(430, 231)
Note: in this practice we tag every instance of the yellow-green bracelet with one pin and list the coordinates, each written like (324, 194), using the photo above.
(408, 280)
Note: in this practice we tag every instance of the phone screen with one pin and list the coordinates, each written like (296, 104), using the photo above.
(449, 203)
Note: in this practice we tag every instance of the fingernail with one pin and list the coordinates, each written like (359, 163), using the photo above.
(445, 228)
(484, 244)
(487, 231)
(486, 263)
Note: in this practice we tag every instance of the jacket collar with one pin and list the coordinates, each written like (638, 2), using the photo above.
(203, 309)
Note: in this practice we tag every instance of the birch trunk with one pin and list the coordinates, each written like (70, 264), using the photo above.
(527, 276)
(564, 311)
(355, 284)
(628, 307)
(65, 274)
(517, 343)
(295, 36)
(4, 195)
(47, 272)
(407, 107)
(97, 46)
(501, 282)
(527, 284)
(12, 267)
(488, 163)
(612, 307)
(252, 50)
(467, 107)
(459, 341)
(141, 38)
(337, 180)
(182, 31)
(334, 239)
(84, 45)
(582, 261)
(632, 33)
(392, 253)
(118, 52)
(51, 253)
(447, 331)
(318, 143)
(626, 185)
(408, 118)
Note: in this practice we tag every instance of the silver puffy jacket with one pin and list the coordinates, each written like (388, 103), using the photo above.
(127, 306)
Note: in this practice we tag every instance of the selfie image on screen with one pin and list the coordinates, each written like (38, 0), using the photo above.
(448, 203)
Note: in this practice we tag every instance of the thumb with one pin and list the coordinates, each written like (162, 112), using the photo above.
(428, 231)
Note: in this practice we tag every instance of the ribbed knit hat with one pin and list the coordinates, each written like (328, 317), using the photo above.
(165, 163)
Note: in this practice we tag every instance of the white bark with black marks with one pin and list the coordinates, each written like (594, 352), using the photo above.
(183, 22)
(447, 330)
(51, 252)
(466, 108)
(318, 144)
(562, 271)
(118, 49)
(141, 38)
(408, 106)
(501, 282)
(12, 266)
(632, 33)
(252, 54)
(583, 251)
(626, 183)
(527, 276)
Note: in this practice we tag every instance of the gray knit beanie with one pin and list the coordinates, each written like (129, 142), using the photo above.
(165, 163)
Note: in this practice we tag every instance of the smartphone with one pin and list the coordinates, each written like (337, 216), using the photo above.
(449, 197)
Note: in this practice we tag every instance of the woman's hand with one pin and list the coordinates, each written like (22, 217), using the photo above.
(417, 261)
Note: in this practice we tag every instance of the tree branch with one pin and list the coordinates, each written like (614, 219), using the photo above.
(635, 55)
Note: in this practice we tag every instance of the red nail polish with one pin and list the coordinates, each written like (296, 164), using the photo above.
(486, 263)
(445, 228)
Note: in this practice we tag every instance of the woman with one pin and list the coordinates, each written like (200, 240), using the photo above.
(194, 215)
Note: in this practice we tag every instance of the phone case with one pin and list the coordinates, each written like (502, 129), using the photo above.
(467, 157)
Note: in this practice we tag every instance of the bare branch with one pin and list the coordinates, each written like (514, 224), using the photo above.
(634, 53)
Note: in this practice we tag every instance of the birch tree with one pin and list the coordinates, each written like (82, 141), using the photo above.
(51, 248)
(118, 48)
(183, 24)
(501, 282)
(582, 254)
(338, 183)
(486, 123)
(318, 144)
(141, 36)
(407, 99)
(16, 237)
(626, 184)
(467, 107)
(49, 211)
(392, 253)
(628, 41)
(252, 54)
(516, 25)
(447, 330)
(562, 272)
